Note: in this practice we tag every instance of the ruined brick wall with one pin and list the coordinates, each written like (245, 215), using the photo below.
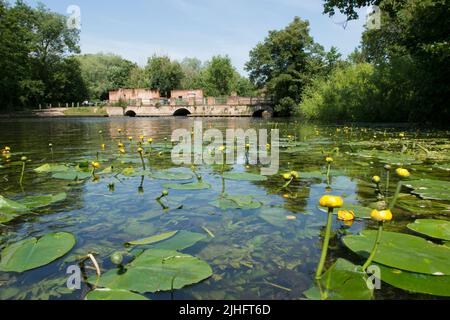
(133, 94)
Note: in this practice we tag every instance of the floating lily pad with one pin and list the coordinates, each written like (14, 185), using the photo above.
(244, 176)
(416, 282)
(35, 202)
(396, 250)
(274, 216)
(34, 253)
(430, 189)
(154, 239)
(114, 295)
(445, 167)
(393, 158)
(52, 168)
(438, 229)
(182, 240)
(343, 281)
(71, 175)
(157, 270)
(419, 206)
(236, 202)
(187, 186)
(168, 175)
(9, 209)
(360, 212)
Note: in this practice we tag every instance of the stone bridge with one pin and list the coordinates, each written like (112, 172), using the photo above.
(193, 111)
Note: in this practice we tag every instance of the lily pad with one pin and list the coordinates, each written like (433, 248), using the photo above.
(438, 229)
(430, 189)
(33, 253)
(396, 250)
(114, 295)
(9, 209)
(244, 176)
(274, 216)
(187, 186)
(236, 202)
(343, 281)
(35, 202)
(71, 175)
(168, 175)
(416, 282)
(157, 270)
(182, 240)
(153, 239)
(52, 168)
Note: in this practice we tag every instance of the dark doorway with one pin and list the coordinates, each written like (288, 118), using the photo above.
(182, 113)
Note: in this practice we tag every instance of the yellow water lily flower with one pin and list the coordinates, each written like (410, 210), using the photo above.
(346, 215)
(103, 146)
(150, 140)
(329, 159)
(381, 216)
(403, 173)
(222, 148)
(331, 202)
(23, 159)
(295, 174)
(142, 138)
(140, 150)
(120, 145)
(287, 176)
(95, 164)
(268, 146)
(122, 150)
(119, 130)
(376, 179)
(130, 138)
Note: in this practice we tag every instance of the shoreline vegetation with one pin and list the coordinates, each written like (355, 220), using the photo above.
(399, 73)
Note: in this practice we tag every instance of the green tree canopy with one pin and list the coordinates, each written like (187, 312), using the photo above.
(164, 74)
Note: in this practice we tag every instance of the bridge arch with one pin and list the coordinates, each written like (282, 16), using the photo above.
(130, 113)
(183, 112)
(262, 113)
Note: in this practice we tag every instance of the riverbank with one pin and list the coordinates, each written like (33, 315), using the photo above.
(58, 113)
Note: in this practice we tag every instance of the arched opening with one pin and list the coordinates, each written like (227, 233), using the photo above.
(258, 114)
(182, 113)
(130, 113)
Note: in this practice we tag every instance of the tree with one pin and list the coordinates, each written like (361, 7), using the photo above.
(164, 74)
(219, 76)
(285, 63)
(105, 72)
(192, 70)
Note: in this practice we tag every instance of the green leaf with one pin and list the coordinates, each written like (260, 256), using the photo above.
(430, 189)
(71, 175)
(33, 253)
(153, 239)
(157, 270)
(244, 176)
(396, 250)
(236, 202)
(9, 210)
(168, 175)
(416, 282)
(114, 295)
(343, 281)
(182, 240)
(35, 202)
(187, 186)
(52, 168)
(438, 229)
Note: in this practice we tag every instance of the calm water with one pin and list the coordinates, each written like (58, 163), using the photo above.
(255, 254)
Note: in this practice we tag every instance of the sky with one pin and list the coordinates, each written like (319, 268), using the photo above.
(137, 29)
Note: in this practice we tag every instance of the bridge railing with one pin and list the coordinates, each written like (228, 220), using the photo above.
(207, 101)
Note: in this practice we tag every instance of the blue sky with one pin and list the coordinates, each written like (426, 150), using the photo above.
(136, 29)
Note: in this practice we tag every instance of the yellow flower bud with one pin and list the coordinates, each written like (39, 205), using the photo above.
(329, 160)
(122, 150)
(381, 216)
(346, 215)
(403, 173)
(295, 174)
(287, 176)
(103, 146)
(150, 140)
(331, 202)
(130, 138)
(222, 148)
(142, 138)
(95, 165)
(120, 145)
(140, 150)
(376, 179)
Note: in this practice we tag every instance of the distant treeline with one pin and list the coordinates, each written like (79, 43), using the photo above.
(399, 73)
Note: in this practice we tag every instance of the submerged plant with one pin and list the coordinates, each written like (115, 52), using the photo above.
(330, 202)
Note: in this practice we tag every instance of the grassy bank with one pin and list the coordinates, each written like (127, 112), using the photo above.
(86, 111)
